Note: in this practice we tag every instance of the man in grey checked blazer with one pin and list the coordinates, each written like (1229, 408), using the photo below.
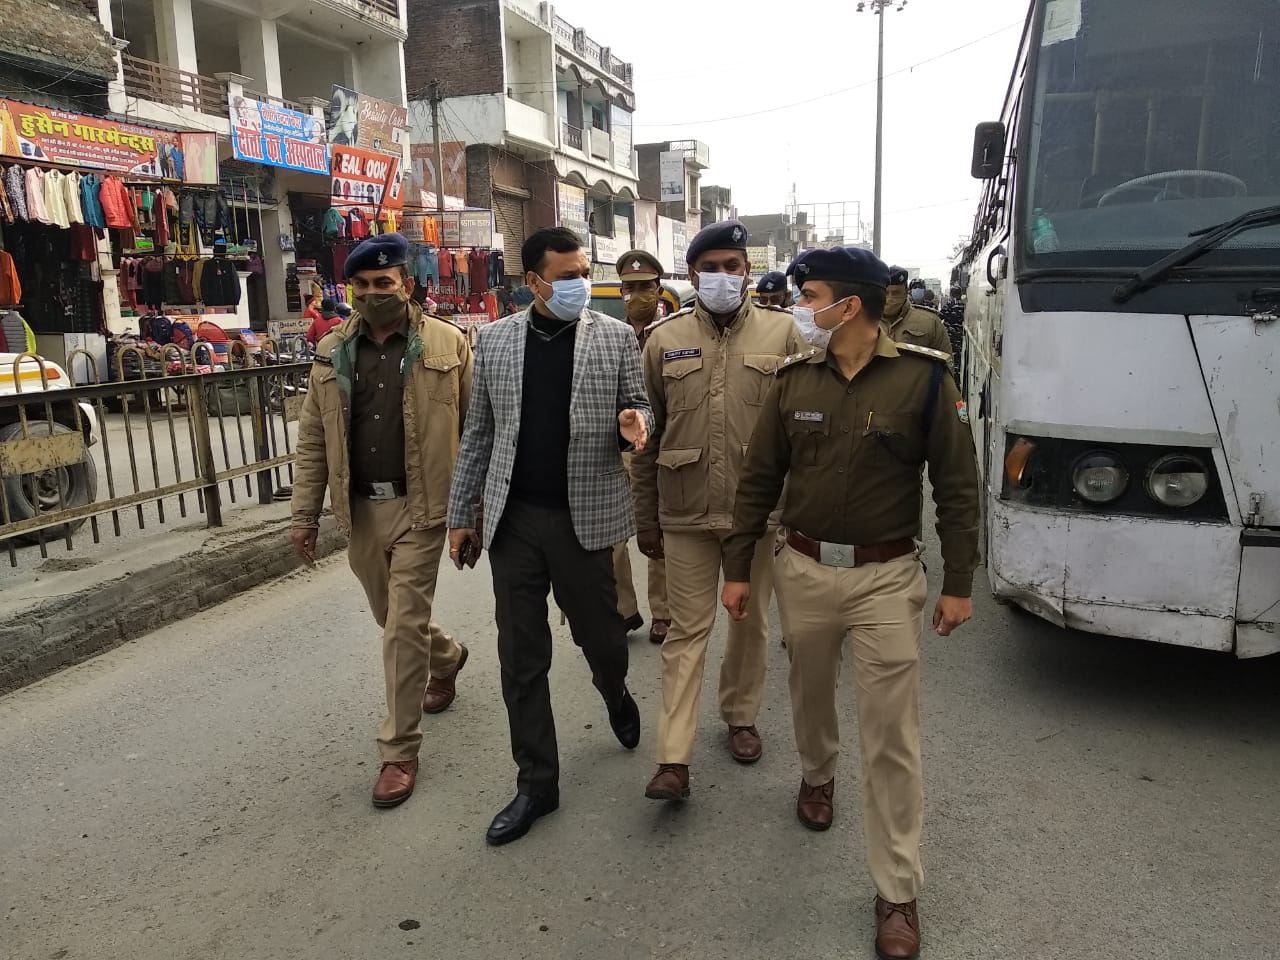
(557, 396)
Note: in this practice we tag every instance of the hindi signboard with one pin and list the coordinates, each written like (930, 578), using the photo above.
(365, 178)
(572, 203)
(466, 228)
(671, 175)
(46, 135)
(277, 136)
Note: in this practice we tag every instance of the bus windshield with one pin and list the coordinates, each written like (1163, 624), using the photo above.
(1150, 120)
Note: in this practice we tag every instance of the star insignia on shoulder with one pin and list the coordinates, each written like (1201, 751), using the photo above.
(796, 359)
(924, 351)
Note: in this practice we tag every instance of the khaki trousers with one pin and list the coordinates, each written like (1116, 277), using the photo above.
(694, 560)
(397, 566)
(628, 605)
(882, 606)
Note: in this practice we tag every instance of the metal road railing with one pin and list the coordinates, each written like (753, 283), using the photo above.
(202, 442)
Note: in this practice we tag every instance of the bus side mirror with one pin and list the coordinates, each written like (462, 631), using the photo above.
(988, 151)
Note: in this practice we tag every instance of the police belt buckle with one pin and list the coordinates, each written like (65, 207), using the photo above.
(381, 491)
(837, 554)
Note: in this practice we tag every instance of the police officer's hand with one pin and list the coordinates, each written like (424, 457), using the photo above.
(633, 428)
(304, 542)
(735, 597)
(464, 537)
(650, 543)
(950, 613)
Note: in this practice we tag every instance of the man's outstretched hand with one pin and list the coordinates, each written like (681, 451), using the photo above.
(634, 430)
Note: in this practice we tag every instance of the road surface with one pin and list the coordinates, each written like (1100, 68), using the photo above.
(204, 792)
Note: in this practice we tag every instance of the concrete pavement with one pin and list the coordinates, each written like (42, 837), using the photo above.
(204, 792)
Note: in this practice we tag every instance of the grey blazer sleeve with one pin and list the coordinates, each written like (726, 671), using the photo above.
(631, 392)
(476, 446)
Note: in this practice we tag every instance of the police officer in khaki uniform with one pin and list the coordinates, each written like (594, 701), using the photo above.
(640, 274)
(908, 322)
(772, 290)
(849, 427)
(379, 429)
(707, 370)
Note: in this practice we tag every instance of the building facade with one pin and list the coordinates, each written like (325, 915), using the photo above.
(538, 112)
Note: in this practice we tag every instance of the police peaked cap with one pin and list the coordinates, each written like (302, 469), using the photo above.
(728, 235)
(840, 265)
(775, 281)
(639, 265)
(897, 275)
(378, 253)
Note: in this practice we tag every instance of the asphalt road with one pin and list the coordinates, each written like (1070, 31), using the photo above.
(204, 792)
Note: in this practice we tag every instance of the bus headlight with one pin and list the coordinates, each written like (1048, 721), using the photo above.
(1178, 480)
(1099, 477)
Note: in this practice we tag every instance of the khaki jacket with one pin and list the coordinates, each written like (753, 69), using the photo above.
(706, 389)
(920, 326)
(437, 385)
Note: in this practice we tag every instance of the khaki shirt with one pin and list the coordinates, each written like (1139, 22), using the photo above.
(852, 452)
(920, 326)
(377, 396)
(706, 388)
(437, 386)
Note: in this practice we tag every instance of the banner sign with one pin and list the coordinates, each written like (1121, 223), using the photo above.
(679, 244)
(360, 179)
(671, 175)
(608, 249)
(572, 203)
(46, 135)
(466, 228)
(453, 153)
(359, 120)
(277, 136)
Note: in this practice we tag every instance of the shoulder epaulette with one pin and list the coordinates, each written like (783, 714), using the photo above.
(796, 359)
(924, 351)
(678, 313)
(924, 306)
(775, 309)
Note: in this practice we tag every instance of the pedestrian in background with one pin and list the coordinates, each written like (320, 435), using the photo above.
(848, 427)
(707, 370)
(558, 396)
(907, 321)
(328, 319)
(379, 429)
(772, 290)
(640, 274)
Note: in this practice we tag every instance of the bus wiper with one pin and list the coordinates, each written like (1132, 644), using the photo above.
(1206, 239)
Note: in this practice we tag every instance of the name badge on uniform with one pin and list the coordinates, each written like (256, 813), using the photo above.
(684, 354)
(810, 416)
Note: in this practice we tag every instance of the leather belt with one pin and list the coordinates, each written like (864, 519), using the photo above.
(844, 555)
(389, 490)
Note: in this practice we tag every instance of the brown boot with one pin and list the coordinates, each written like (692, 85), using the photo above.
(897, 930)
(671, 782)
(395, 783)
(441, 691)
(744, 744)
(658, 630)
(814, 806)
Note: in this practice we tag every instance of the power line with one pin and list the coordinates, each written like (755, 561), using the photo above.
(834, 93)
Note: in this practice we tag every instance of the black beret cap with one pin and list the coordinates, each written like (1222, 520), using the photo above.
(378, 253)
(897, 275)
(775, 281)
(729, 235)
(841, 265)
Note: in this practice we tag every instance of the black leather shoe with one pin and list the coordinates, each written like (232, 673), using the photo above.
(518, 816)
(634, 623)
(624, 717)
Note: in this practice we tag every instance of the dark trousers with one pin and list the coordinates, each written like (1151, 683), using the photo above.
(535, 550)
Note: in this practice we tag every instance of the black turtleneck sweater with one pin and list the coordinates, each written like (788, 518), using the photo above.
(541, 472)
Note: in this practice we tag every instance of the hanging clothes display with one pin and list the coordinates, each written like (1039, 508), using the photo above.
(219, 283)
(15, 188)
(35, 195)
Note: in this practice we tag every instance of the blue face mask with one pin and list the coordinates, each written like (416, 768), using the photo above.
(568, 297)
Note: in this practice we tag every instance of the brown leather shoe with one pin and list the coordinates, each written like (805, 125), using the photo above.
(395, 783)
(441, 691)
(658, 630)
(814, 806)
(897, 930)
(744, 744)
(671, 782)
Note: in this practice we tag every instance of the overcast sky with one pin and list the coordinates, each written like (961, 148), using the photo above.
(697, 62)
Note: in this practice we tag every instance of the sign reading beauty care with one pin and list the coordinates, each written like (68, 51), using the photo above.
(46, 135)
(277, 136)
(362, 177)
(359, 120)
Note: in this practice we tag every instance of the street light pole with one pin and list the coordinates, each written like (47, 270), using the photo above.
(878, 7)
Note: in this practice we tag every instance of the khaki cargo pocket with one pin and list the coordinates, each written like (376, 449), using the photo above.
(764, 366)
(682, 482)
(808, 440)
(442, 377)
(684, 383)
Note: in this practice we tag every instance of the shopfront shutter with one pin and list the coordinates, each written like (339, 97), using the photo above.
(508, 211)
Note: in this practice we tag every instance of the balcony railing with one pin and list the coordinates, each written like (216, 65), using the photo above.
(572, 136)
(577, 40)
(389, 8)
(160, 83)
(278, 101)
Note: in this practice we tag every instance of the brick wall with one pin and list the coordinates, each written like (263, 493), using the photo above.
(458, 42)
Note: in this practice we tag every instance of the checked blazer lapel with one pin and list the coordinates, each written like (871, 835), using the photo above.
(581, 346)
(519, 334)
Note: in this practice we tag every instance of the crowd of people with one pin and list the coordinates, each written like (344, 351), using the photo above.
(779, 441)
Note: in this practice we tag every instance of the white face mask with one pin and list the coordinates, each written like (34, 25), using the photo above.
(721, 292)
(806, 321)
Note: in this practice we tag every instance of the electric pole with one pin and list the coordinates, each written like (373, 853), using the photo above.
(435, 135)
(878, 7)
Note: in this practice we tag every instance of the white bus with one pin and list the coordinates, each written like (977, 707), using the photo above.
(1121, 364)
